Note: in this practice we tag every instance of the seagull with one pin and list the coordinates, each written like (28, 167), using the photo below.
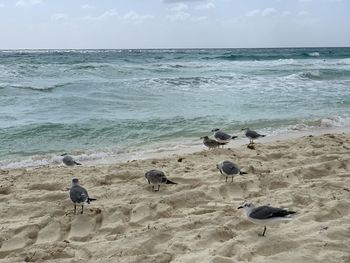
(266, 214)
(252, 135)
(229, 168)
(222, 137)
(69, 160)
(156, 177)
(79, 195)
(210, 143)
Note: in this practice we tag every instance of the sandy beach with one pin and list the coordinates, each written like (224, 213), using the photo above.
(194, 221)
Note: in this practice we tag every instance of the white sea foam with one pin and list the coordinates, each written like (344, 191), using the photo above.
(180, 147)
(314, 54)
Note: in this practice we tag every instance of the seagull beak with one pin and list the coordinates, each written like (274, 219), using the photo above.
(201, 138)
(239, 207)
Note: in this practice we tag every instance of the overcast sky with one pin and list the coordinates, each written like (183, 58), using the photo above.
(173, 23)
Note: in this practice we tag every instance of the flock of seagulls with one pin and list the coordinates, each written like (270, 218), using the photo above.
(259, 215)
(221, 138)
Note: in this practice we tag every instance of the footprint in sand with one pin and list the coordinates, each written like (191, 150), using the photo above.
(50, 233)
(83, 227)
(20, 238)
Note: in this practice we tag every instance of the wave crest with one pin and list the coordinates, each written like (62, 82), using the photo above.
(36, 88)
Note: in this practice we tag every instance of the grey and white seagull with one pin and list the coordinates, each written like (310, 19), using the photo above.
(156, 177)
(266, 214)
(69, 160)
(222, 137)
(79, 195)
(210, 143)
(228, 168)
(252, 135)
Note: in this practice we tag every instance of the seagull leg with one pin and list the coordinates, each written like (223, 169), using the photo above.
(232, 180)
(75, 208)
(226, 179)
(149, 182)
(82, 209)
(158, 187)
(153, 187)
(263, 233)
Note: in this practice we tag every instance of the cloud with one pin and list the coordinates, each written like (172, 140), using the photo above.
(266, 12)
(136, 17)
(253, 12)
(108, 14)
(1, 5)
(182, 1)
(130, 16)
(205, 6)
(199, 18)
(184, 16)
(23, 3)
(303, 13)
(59, 16)
(87, 6)
(179, 16)
(179, 7)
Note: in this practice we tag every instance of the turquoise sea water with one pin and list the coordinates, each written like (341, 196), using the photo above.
(96, 104)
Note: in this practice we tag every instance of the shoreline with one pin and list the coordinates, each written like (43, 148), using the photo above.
(162, 150)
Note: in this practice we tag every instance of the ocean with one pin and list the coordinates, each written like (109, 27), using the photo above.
(118, 105)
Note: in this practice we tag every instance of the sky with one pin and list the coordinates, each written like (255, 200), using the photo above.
(99, 24)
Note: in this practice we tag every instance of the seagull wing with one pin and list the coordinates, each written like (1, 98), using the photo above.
(265, 212)
(222, 136)
(230, 168)
(252, 134)
(78, 194)
(156, 176)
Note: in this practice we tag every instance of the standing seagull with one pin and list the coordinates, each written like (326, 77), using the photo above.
(222, 137)
(156, 177)
(69, 161)
(252, 135)
(210, 143)
(266, 214)
(79, 195)
(229, 168)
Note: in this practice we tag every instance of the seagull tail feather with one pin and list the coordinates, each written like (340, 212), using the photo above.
(90, 199)
(234, 137)
(169, 182)
(241, 173)
(77, 163)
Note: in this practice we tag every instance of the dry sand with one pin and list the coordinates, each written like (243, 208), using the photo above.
(194, 221)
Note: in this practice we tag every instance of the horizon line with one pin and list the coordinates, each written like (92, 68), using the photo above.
(174, 48)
